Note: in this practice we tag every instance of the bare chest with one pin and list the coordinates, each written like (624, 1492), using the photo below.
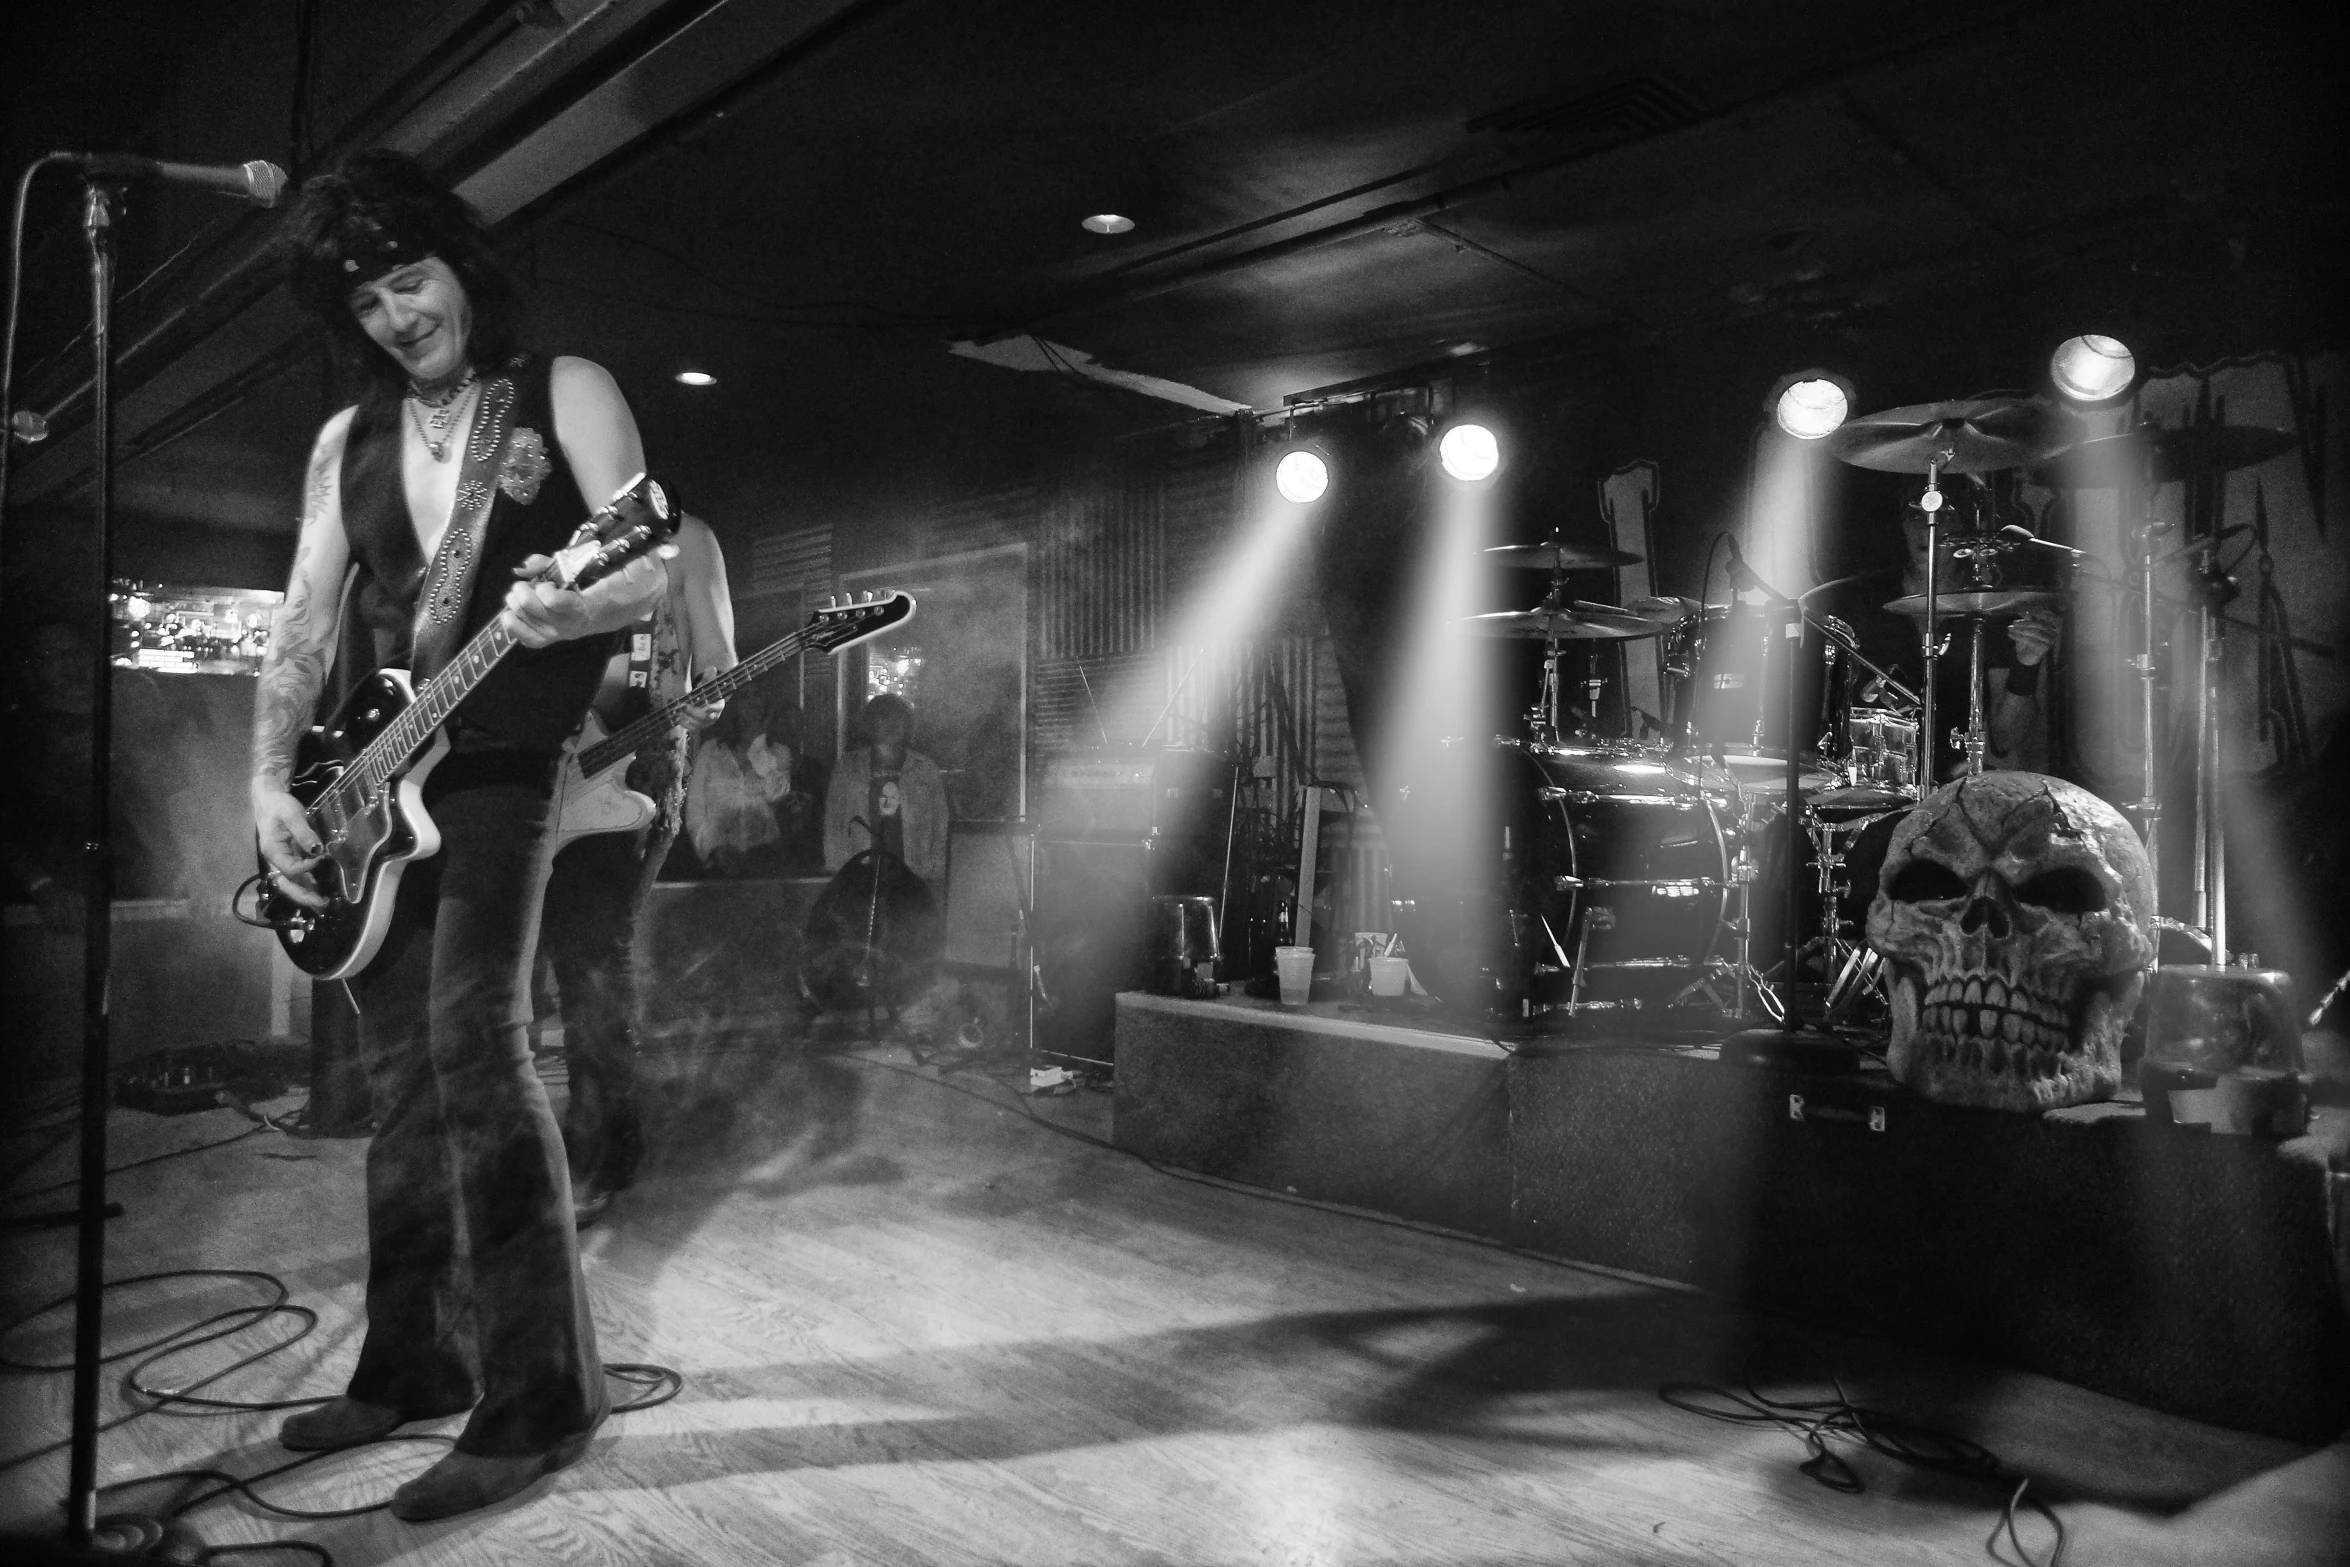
(429, 482)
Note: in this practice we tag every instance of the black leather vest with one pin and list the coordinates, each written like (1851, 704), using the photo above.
(535, 697)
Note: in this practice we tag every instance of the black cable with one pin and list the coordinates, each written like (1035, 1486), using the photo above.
(24, 185)
(1818, 1422)
(135, 1164)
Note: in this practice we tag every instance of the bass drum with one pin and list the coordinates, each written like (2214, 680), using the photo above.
(1528, 876)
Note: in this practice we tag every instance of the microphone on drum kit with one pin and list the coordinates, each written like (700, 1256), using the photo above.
(1742, 575)
(2017, 533)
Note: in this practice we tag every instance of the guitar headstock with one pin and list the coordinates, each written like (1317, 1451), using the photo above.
(638, 518)
(850, 621)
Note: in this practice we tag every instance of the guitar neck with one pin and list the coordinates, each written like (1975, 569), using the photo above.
(390, 752)
(634, 737)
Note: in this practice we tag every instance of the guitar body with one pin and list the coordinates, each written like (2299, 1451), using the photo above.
(366, 853)
(585, 806)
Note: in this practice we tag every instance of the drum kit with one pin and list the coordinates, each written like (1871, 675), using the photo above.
(1626, 864)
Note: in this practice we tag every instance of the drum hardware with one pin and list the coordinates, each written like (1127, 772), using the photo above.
(2146, 458)
(1789, 1042)
(1979, 435)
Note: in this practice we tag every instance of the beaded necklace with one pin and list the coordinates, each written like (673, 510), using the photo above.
(437, 426)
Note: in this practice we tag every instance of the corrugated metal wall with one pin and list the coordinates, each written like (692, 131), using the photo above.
(1115, 552)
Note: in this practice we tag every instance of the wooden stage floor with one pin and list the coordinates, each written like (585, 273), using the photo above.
(917, 1327)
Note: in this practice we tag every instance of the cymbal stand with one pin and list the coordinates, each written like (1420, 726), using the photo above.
(2149, 805)
(1543, 717)
(1973, 738)
(2211, 850)
(1931, 504)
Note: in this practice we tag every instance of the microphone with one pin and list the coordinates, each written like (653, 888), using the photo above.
(2017, 533)
(1743, 578)
(259, 182)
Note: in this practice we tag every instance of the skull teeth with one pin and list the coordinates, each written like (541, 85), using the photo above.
(1995, 1057)
(1985, 1009)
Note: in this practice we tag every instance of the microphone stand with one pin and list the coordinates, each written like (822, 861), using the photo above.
(98, 909)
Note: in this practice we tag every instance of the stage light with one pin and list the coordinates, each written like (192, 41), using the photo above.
(1109, 223)
(1469, 452)
(696, 378)
(1811, 408)
(2092, 368)
(1301, 476)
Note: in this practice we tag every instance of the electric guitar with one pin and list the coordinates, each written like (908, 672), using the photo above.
(361, 776)
(591, 794)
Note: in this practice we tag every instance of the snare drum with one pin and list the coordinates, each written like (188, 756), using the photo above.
(1528, 877)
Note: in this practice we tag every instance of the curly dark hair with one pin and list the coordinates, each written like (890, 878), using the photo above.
(880, 710)
(377, 210)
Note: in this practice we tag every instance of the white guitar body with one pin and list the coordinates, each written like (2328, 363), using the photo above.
(582, 806)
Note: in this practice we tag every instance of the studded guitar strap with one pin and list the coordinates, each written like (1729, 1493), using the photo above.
(440, 604)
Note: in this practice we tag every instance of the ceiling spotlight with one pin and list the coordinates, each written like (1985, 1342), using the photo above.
(1109, 223)
(696, 378)
(2092, 368)
(1469, 452)
(1301, 476)
(1811, 408)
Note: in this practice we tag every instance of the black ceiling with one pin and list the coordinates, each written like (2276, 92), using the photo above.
(1323, 192)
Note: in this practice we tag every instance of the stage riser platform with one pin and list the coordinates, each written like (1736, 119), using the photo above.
(2198, 1275)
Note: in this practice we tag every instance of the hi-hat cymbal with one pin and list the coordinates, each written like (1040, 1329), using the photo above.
(2165, 456)
(1983, 601)
(1974, 436)
(1557, 556)
(1552, 623)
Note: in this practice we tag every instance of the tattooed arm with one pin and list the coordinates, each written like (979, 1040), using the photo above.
(293, 671)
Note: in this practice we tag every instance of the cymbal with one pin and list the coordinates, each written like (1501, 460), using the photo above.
(1669, 611)
(1979, 435)
(1557, 556)
(2111, 461)
(1990, 601)
(1554, 624)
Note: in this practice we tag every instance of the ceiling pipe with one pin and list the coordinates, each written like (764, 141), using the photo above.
(514, 62)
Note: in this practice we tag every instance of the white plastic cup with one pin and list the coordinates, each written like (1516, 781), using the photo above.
(1295, 965)
(1390, 976)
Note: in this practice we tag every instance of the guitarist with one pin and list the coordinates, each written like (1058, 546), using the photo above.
(600, 883)
(474, 1295)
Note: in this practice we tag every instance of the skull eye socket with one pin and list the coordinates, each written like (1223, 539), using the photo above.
(1926, 881)
(2068, 889)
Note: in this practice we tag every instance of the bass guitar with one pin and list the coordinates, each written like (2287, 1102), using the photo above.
(361, 776)
(591, 792)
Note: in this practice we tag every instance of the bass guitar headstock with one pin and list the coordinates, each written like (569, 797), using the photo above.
(850, 621)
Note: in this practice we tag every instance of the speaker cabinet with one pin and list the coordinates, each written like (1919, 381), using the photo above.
(1091, 898)
(987, 878)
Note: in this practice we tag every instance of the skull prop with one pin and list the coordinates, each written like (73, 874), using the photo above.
(2016, 915)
